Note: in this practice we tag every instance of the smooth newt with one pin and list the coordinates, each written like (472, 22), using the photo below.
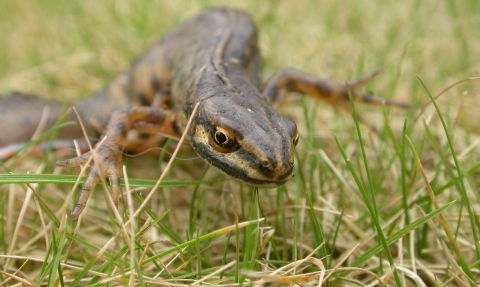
(212, 60)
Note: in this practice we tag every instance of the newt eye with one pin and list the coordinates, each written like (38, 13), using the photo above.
(295, 139)
(220, 137)
(223, 140)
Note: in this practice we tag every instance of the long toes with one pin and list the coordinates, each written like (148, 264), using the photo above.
(92, 180)
(371, 99)
(76, 161)
(115, 186)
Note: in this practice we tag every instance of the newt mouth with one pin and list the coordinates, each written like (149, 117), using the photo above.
(267, 184)
(260, 181)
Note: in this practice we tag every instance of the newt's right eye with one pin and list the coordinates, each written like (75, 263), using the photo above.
(223, 140)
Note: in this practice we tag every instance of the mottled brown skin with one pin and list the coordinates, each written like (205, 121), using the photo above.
(212, 60)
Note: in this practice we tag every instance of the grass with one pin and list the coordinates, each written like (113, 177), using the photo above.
(359, 204)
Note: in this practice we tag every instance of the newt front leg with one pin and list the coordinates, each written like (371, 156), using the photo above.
(108, 156)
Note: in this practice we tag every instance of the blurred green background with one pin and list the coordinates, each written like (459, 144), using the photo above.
(68, 49)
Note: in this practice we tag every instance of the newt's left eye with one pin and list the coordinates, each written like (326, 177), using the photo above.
(223, 140)
(295, 139)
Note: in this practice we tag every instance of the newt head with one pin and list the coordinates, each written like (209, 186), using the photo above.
(245, 138)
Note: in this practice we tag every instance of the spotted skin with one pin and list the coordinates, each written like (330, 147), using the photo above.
(213, 60)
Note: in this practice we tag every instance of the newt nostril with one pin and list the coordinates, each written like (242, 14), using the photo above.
(266, 164)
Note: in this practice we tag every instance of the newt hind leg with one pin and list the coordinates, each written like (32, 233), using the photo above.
(332, 92)
(107, 156)
(149, 142)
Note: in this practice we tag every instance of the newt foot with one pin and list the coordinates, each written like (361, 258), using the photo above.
(107, 160)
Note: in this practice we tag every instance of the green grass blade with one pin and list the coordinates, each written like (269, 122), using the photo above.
(459, 169)
(10, 178)
(202, 238)
(369, 200)
(373, 215)
(403, 161)
(399, 234)
(45, 269)
(317, 232)
(58, 242)
(443, 222)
